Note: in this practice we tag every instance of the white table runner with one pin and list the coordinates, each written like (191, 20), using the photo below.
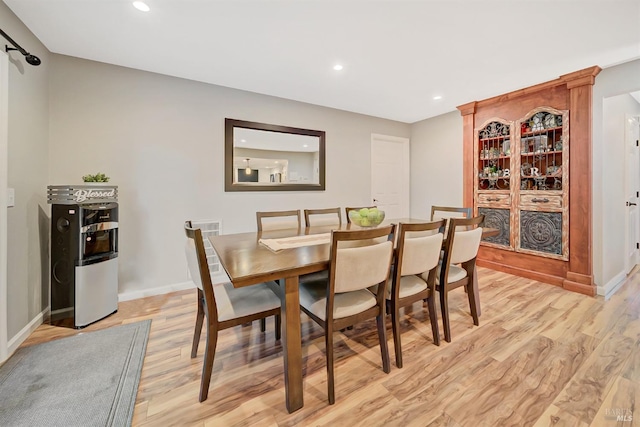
(283, 243)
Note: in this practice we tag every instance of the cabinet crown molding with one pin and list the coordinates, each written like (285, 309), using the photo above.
(468, 108)
(582, 77)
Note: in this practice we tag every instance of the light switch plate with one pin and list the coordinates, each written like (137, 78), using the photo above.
(11, 197)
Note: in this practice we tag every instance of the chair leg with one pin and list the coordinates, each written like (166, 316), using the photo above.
(433, 318)
(384, 348)
(395, 325)
(198, 329)
(444, 306)
(328, 338)
(278, 319)
(263, 324)
(207, 365)
(472, 302)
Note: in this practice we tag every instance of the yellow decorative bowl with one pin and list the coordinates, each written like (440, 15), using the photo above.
(366, 217)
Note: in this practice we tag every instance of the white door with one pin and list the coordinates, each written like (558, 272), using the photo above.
(4, 149)
(632, 187)
(390, 175)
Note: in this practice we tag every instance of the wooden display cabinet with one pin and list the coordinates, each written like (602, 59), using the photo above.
(543, 204)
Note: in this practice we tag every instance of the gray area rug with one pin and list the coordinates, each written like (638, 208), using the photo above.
(89, 379)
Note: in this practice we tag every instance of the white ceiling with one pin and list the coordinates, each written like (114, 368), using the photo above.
(397, 55)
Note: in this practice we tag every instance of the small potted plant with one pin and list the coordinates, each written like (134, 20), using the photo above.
(98, 178)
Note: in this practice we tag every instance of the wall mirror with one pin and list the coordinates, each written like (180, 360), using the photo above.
(264, 157)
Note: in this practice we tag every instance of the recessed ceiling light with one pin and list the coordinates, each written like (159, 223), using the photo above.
(337, 67)
(437, 97)
(140, 5)
(305, 145)
(243, 140)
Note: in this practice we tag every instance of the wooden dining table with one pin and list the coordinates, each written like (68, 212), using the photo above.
(248, 262)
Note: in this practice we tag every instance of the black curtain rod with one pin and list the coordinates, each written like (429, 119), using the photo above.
(31, 59)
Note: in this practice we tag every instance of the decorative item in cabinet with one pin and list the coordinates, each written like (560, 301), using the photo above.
(493, 149)
(499, 219)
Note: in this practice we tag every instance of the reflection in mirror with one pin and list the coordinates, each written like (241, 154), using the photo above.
(263, 157)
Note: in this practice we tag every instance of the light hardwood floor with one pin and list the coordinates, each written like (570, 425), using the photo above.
(542, 356)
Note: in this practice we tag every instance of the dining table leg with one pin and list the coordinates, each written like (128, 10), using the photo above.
(476, 292)
(292, 343)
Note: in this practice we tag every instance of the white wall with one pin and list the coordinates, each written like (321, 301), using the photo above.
(608, 168)
(28, 128)
(436, 163)
(161, 139)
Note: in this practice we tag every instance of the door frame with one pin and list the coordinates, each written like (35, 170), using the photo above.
(4, 182)
(406, 172)
(628, 118)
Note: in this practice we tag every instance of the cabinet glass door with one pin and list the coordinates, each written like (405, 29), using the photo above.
(543, 183)
(494, 179)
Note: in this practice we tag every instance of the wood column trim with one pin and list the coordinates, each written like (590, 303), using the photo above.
(580, 267)
(467, 111)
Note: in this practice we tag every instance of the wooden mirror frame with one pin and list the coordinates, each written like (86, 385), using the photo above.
(229, 185)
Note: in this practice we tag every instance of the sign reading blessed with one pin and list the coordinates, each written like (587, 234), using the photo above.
(74, 194)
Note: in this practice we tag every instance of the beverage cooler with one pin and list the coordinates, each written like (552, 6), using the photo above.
(84, 254)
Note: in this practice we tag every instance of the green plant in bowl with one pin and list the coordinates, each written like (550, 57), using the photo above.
(99, 177)
(366, 217)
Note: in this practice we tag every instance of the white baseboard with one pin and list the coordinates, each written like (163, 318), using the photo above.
(161, 290)
(612, 285)
(21, 336)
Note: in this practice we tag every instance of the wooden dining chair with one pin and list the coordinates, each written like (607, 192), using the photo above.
(458, 266)
(347, 210)
(447, 212)
(278, 220)
(222, 305)
(414, 275)
(357, 262)
(320, 217)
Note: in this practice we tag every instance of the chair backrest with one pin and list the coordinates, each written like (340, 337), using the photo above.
(463, 241)
(278, 220)
(360, 258)
(347, 210)
(319, 217)
(198, 266)
(417, 251)
(447, 212)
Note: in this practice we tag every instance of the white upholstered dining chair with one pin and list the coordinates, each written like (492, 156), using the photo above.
(278, 220)
(222, 305)
(448, 212)
(357, 262)
(414, 275)
(458, 266)
(321, 217)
